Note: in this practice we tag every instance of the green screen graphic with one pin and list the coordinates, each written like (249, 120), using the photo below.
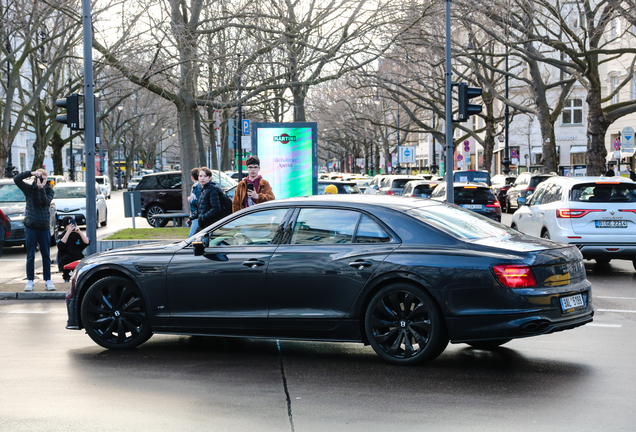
(287, 159)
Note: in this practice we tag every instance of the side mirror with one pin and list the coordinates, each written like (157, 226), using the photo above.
(199, 248)
(521, 201)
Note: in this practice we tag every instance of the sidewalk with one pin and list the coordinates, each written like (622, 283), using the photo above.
(14, 290)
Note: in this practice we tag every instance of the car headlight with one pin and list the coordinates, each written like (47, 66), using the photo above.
(16, 217)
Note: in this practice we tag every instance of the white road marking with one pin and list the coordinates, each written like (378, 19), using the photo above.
(615, 310)
(617, 298)
(605, 325)
(28, 312)
(13, 260)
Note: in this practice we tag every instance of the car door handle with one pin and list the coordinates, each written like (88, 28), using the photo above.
(253, 263)
(360, 264)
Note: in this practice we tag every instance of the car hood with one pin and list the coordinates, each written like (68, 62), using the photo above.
(12, 208)
(70, 203)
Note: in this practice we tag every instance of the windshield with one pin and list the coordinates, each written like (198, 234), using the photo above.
(469, 194)
(460, 223)
(99, 180)
(70, 192)
(11, 193)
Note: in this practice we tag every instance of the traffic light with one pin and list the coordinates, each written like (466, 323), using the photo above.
(466, 109)
(74, 117)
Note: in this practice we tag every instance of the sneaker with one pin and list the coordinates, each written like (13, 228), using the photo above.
(49, 285)
(29, 286)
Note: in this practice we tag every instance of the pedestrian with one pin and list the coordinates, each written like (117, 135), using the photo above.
(71, 246)
(37, 217)
(194, 200)
(610, 171)
(253, 189)
(5, 229)
(331, 189)
(632, 174)
(209, 203)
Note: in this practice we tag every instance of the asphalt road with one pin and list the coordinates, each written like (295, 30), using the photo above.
(579, 380)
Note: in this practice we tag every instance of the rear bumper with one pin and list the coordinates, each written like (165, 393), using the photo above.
(607, 251)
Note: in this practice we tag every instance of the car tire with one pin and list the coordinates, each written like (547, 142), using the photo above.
(545, 234)
(634, 264)
(105, 220)
(508, 209)
(153, 210)
(514, 227)
(488, 344)
(602, 260)
(404, 326)
(115, 314)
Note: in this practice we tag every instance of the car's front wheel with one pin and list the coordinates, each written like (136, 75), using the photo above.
(114, 313)
(153, 210)
(404, 326)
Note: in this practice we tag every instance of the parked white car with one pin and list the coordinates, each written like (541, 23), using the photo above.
(597, 214)
(104, 184)
(70, 200)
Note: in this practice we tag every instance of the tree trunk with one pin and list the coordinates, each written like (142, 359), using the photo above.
(57, 144)
(199, 136)
(596, 129)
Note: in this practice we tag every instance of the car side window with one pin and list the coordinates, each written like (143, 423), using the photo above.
(370, 232)
(149, 183)
(324, 226)
(537, 195)
(255, 229)
(439, 191)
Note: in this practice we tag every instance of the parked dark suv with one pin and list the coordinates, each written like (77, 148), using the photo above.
(524, 185)
(160, 193)
(472, 196)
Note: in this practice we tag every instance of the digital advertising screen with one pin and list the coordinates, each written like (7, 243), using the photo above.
(289, 157)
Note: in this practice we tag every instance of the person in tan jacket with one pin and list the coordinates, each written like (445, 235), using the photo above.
(253, 189)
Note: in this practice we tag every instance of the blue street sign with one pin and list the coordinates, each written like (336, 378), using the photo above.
(407, 153)
(246, 127)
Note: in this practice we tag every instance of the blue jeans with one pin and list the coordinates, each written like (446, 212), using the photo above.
(42, 238)
(193, 227)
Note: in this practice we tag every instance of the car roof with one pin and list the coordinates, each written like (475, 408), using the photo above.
(162, 173)
(335, 182)
(471, 184)
(589, 179)
(355, 200)
(419, 182)
(71, 184)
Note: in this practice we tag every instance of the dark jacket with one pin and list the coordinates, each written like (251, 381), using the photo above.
(632, 176)
(209, 208)
(38, 202)
(71, 250)
(194, 204)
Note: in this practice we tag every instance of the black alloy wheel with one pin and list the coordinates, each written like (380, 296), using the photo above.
(114, 313)
(488, 344)
(545, 234)
(404, 326)
(153, 210)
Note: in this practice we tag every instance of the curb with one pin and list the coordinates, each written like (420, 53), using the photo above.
(32, 295)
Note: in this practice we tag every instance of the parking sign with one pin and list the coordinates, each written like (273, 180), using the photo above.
(245, 126)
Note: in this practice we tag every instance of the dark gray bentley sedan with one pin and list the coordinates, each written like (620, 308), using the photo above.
(404, 275)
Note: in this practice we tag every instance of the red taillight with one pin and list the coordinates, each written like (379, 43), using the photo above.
(515, 276)
(390, 192)
(628, 211)
(496, 204)
(574, 213)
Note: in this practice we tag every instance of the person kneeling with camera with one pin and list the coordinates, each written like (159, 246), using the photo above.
(253, 189)
(71, 246)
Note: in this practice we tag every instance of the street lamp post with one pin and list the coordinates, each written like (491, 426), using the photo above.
(434, 163)
(119, 167)
(506, 160)
(8, 170)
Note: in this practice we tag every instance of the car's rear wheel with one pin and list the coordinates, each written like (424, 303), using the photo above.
(634, 264)
(404, 326)
(545, 234)
(602, 260)
(508, 209)
(514, 227)
(114, 313)
(105, 220)
(488, 344)
(153, 210)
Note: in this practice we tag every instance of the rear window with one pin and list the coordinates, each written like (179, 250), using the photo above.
(399, 183)
(465, 195)
(349, 188)
(603, 192)
(11, 193)
(472, 176)
(423, 190)
(534, 181)
(460, 223)
(99, 180)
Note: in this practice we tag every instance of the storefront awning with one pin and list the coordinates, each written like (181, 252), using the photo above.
(537, 150)
(578, 149)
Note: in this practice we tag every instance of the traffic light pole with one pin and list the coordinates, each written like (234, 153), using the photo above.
(89, 135)
(450, 196)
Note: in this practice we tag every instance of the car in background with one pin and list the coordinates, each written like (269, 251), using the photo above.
(374, 184)
(524, 185)
(419, 188)
(472, 176)
(595, 214)
(13, 205)
(70, 200)
(344, 187)
(104, 183)
(133, 182)
(55, 179)
(501, 183)
(403, 275)
(162, 193)
(394, 184)
(476, 197)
